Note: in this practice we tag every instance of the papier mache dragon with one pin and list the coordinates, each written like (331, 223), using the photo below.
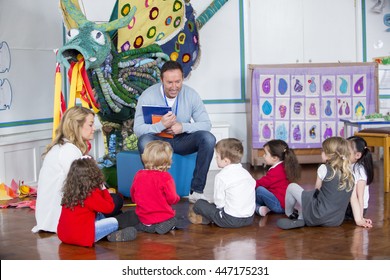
(117, 60)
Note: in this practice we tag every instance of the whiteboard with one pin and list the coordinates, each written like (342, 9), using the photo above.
(29, 33)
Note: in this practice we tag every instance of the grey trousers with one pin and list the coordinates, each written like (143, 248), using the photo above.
(211, 213)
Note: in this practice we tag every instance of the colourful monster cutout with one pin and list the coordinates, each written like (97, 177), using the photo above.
(281, 132)
(359, 110)
(328, 109)
(359, 86)
(312, 109)
(267, 107)
(327, 86)
(282, 86)
(266, 86)
(344, 85)
(328, 132)
(297, 107)
(297, 133)
(313, 86)
(266, 132)
(298, 86)
(282, 110)
(312, 132)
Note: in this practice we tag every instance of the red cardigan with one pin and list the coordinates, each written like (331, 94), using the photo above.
(276, 182)
(77, 226)
(154, 192)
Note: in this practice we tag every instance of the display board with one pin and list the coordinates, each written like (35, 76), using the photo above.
(302, 103)
(30, 31)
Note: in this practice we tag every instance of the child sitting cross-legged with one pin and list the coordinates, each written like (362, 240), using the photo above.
(234, 191)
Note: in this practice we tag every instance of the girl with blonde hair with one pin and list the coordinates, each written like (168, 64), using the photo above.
(326, 204)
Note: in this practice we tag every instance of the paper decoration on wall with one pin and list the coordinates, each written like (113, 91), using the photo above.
(359, 85)
(281, 131)
(313, 85)
(304, 104)
(5, 84)
(282, 86)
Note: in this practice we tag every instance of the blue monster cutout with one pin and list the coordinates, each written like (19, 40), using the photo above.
(344, 85)
(282, 86)
(281, 132)
(313, 86)
(267, 107)
(328, 109)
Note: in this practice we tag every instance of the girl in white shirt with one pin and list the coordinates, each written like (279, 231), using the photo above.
(363, 171)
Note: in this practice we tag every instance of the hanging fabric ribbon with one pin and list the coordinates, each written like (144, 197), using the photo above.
(80, 86)
(59, 101)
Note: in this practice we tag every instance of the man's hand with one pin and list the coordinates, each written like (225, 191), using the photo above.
(168, 120)
(175, 129)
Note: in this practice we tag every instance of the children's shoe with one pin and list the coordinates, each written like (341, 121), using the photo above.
(126, 234)
(194, 196)
(167, 226)
(290, 224)
(263, 211)
(294, 215)
(194, 218)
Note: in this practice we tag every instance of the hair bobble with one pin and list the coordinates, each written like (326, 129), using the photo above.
(86, 157)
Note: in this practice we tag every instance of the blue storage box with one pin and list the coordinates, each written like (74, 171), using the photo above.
(129, 162)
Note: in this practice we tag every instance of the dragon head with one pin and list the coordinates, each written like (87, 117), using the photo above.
(88, 39)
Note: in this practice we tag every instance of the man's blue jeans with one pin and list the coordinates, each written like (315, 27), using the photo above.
(202, 142)
(266, 198)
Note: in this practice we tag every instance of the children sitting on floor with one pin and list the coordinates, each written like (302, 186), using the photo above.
(234, 191)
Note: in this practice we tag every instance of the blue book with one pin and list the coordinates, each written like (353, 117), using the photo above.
(150, 110)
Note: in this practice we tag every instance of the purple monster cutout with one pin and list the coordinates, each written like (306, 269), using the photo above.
(266, 86)
(266, 132)
(297, 134)
(359, 86)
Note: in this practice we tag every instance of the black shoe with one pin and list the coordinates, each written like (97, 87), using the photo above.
(293, 216)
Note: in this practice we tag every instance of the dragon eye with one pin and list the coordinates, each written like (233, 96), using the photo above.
(98, 36)
(72, 33)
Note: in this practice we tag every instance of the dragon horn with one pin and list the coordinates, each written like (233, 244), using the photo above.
(119, 23)
(69, 8)
(204, 17)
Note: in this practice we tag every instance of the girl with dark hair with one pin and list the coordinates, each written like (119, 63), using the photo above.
(271, 188)
(85, 199)
(363, 171)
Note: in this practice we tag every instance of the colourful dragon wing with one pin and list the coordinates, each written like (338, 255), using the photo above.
(154, 22)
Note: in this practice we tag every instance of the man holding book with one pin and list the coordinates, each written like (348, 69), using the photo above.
(186, 125)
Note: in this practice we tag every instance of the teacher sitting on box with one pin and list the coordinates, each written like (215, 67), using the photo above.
(188, 123)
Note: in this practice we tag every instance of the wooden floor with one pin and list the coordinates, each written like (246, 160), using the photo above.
(263, 240)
